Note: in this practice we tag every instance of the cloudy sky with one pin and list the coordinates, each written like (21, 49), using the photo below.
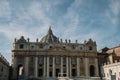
(69, 19)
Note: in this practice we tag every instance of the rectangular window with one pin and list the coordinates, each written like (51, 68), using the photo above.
(73, 60)
(41, 60)
(21, 46)
(64, 59)
(58, 60)
(50, 60)
(2, 69)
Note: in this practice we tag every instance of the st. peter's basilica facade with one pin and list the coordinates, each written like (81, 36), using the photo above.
(46, 58)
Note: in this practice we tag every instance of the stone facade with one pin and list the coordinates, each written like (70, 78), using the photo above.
(4, 68)
(114, 54)
(46, 58)
(111, 71)
(111, 68)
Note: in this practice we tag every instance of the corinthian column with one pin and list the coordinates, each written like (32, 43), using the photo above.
(96, 65)
(78, 67)
(44, 66)
(61, 64)
(70, 65)
(67, 69)
(86, 67)
(47, 66)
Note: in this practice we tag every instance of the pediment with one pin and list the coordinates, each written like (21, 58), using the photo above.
(22, 39)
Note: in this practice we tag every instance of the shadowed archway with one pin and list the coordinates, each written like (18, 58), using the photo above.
(20, 71)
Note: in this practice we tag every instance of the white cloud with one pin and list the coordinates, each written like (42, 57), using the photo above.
(24, 23)
(69, 23)
(13, 30)
(5, 10)
(37, 11)
(33, 21)
(113, 12)
(115, 7)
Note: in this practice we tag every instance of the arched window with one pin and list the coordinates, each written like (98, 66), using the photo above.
(92, 71)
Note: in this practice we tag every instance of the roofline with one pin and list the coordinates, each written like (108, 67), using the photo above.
(114, 47)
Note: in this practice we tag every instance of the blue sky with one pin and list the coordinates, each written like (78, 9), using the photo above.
(69, 19)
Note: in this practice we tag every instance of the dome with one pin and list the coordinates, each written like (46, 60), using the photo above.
(49, 38)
